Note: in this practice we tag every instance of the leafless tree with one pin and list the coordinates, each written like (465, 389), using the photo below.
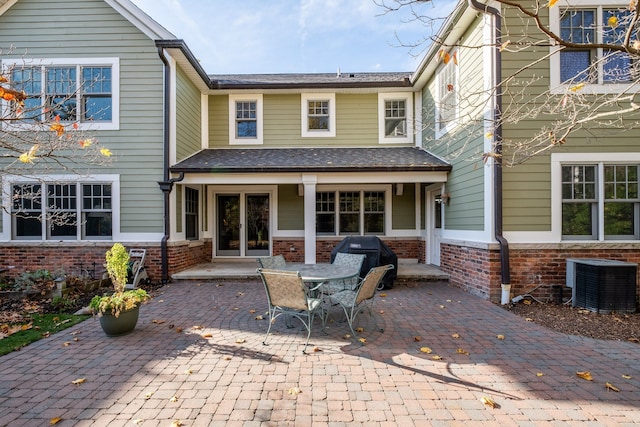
(596, 92)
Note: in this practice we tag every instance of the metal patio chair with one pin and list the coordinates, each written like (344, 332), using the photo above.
(287, 294)
(355, 301)
(342, 258)
(274, 262)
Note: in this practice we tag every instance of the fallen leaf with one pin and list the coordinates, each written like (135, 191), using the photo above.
(360, 329)
(188, 372)
(227, 358)
(611, 387)
(382, 295)
(635, 340)
(252, 311)
(173, 399)
(55, 420)
(442, 306)
(148, 395)
(240, 294)
(436, 357)
(456, 336)
(585, 375)
(362, 340)
(258, 317)
(240, 341)
(539, 374)
(138, 421)
(66, 343)
(462, 351)
(426, 350)
(626, 377)
(488, 401)
(500, 336)
(316, 349)
(526, 302)
(294, 391)
(577, 87)
(158, 322)
(78, 381)
(381, 311)
(528, 319)
(198, 327)
(178, 330)
(417, 339)
(346, 336)
(176, 423)
(207, 335)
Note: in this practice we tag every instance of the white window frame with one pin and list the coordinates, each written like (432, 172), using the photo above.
(599, 159)
(114, 63)
(304, 114)
(257, 98)
(407, 97)
(113, 180)
(556, 86)
(440, 73)
(386, 189)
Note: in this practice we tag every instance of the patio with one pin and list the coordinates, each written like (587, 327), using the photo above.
(197, 356)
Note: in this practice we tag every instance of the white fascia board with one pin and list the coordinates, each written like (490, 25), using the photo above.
(140, 20)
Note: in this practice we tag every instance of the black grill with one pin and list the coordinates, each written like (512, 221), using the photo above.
(377, 254)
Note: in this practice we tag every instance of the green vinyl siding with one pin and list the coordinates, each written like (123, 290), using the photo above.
(70, 29)
(188, 112)
(290, 208)
(179, 208)
(356, 121)
(463, 146)
(403, 216)
(218, 121)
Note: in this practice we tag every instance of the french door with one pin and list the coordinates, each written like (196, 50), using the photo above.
(242, 224)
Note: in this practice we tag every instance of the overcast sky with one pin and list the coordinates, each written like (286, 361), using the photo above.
(291, 36)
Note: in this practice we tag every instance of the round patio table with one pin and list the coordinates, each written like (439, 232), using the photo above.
(319, 273)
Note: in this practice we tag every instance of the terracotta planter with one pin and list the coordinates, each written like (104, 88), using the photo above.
(125, 323)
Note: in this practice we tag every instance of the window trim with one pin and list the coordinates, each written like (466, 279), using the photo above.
(441, 131)
(304, 115)
(258, 99)
(114, 63)
(386, 190)
(407, 97)
(556, 86)
(7, 233)
(600, 159)
(188, 213)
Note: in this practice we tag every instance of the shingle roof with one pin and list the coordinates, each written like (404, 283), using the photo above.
(374, 159)
(236, 81)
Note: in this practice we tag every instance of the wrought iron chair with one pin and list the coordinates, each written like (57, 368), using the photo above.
(342, 258)
(354, 301)
(287, 294)
(272, 262)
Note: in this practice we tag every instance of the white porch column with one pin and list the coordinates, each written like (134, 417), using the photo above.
(309, 182)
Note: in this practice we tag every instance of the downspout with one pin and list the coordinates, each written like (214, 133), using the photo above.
(505, 274)
(167, 183)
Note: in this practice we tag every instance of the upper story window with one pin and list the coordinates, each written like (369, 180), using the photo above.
(245, 119)
(318, 115)
(61, 211)
(79, 91)
(447, 94)
(395, 117)
(600, 201)
(591, 23)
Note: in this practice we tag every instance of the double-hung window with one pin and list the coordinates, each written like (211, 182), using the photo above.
(61, 211)
(72, 91)
(191, 208)
(395, 118)
(318, 115)
(591, 23)
(447, 95)
(600, 201)
(245, 119)
(350, 212)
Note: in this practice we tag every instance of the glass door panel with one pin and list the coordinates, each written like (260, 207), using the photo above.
(228, 232)
(257, 221)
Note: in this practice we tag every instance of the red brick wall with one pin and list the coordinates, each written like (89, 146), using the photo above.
(409, 248)
(186, 254)
(534, 268)
(68, 258)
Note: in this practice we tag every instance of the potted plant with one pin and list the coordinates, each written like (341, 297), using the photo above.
(119, 311)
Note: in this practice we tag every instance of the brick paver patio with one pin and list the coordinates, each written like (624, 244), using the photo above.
(197, 356)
